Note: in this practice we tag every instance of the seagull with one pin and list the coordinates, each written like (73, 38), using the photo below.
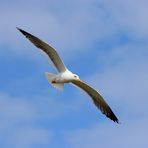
(66, 76)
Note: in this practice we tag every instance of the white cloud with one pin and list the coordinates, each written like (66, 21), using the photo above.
(73, 27)
(18, 118)
(129, 16)
(128, 134)
(16, 109)
(22, 118)
(29, 137)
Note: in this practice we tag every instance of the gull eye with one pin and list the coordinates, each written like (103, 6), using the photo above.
(75, 76)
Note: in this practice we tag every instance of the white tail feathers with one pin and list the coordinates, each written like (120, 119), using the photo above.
(50, 77)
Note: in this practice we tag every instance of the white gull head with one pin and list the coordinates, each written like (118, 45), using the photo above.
(67, 76)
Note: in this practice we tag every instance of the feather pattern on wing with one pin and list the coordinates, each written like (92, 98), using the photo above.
(50, 51)
(97, 99)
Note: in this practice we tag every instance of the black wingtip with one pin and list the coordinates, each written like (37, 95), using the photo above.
(22, 31)
(19, 29)
(115, 119)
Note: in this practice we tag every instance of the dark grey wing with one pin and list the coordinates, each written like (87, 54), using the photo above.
(50, 51)
(97, 99)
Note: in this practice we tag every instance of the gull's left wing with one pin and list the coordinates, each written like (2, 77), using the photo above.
(97, 99)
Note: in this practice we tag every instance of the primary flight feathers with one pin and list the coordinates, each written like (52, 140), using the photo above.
(66, 76)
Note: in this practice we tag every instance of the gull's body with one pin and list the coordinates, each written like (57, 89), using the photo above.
(66, 76)
(59, 79)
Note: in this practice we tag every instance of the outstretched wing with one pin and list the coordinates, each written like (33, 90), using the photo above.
(50, 51)
(97, 99)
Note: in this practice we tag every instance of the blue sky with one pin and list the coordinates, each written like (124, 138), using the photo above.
(105, 43)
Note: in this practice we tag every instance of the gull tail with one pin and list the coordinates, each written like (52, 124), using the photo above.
(50, 77)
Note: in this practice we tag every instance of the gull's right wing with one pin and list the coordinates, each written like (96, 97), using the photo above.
(50, 51)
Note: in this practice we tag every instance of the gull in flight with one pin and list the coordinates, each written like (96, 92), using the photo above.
(66, 76)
